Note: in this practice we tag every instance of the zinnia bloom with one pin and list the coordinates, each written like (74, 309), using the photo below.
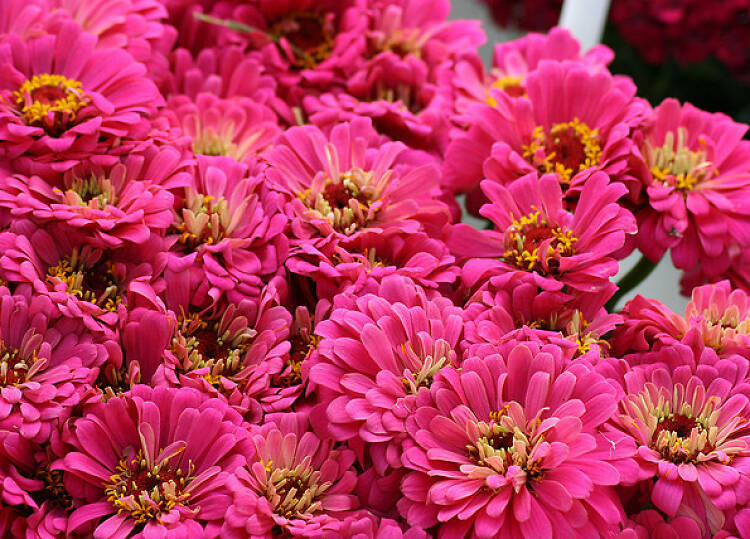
(295, 482)
(47, 363)
(514, 60)
(239, 127)
(693, 439)
(123, 202)
(574, 122)
(697, 177)
(229, 351)
(154, 462)
(64, 100)
(717, 316)
(535, 234)
(350, 184)
(228, 233)
(83, 281)
(376, 356)
(510, 442)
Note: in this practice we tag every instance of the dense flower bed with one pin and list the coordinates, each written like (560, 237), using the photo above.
(237, 300)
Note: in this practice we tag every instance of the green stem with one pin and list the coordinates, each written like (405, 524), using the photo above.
(246, 28)
(633, 278)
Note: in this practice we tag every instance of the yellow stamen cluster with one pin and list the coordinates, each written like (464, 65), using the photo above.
(422, 367)
(678, 166)
(218, 346)
(524, 237)
(17, 366)
(348, 204)
(54, 488)
(205, 220)
(295, 492)
(65, 97)
(507, 83)
(145, 490)
(93, 192)
(72, 271)
(545, 151)
(502, 442)
(683, 428)
(298, 27)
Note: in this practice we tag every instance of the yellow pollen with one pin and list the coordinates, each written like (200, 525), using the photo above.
(49, 100)
(678, 166)
(568, 148)
(527, 234)
(510, 84)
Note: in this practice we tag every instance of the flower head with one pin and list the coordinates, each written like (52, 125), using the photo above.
(510, 440)
(697, 182)
(296, 482)
(155, 460)
(534, 234)
(64, 100)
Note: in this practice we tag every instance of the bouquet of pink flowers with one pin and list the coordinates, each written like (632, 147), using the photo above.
(236, 298)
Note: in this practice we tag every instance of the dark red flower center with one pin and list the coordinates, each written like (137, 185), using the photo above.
(54, 490)
(681, 425)
(525, 238)
(566, 149)
(309, 34)
(50, 101)
(99, 283)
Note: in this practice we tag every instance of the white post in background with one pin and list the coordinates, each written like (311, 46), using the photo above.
(585, 19)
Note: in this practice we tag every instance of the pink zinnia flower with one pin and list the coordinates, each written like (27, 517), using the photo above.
(224, 72)
(35, 502)
(350, 184)
(717, 316)
(83, 281)
(134, 25)
(376, 356)
(296, 484)
(229, 352)
(693, 439)
(697, 177)
(426, 261)
(557, 248)
(47, 363)
(228, 233)
(573, 123)
(507, 303)
(238, 128)
(514, 60)
(154, 462)
(510, 442)
(64, 100)
(123, 202)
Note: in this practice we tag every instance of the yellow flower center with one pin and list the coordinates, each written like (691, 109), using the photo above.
(50, 101)
(146, 491)
(14, 367)
(568, 148)
(309, 35)
(205, 220)
(513, 86)
(678, 166)
(527, 235)
(98, 284)
(295, 492)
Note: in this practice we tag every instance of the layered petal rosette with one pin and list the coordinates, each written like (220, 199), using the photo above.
(510, 442)
(238, 128)
(136, 26)
(64, 101)
(377, 355)
(84, 282)
(693, 441)
(717, 316)
(228, 233)
(152, 462)
(697, 178)
(513, 61)
(557, 248)
(350, 184)
(127, 201)
(296, 483)
(47, 365)
(229, 352)
(573, 123)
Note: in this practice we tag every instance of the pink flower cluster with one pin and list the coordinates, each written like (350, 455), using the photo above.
(236, 298)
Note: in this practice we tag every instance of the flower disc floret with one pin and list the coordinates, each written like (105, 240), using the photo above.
(50, 101)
